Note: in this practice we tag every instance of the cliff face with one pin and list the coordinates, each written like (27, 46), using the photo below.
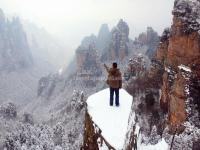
(88, 54)
(105, 125)
(103, 38)
(179, 55)
(88, 61)
(166, 97)
(150, 39)
(19, 71)
(14, 48)
(93, 138)
(93, 48)
(118, 49)
(113, 46)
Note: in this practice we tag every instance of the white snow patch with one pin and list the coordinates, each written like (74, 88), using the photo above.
(162, 145)
(103, 146)
(198, 20)
(185, 68)
(137, 130)
(167, 69)
(113, 121)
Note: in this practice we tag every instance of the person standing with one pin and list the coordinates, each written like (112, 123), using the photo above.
(115, 82)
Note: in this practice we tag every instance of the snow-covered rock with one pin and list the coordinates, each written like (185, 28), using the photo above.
(113, 121)
(185, 68)
(189, 12)
(162, 145)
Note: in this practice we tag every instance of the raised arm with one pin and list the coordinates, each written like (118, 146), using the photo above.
(106, 67)
(120, 80)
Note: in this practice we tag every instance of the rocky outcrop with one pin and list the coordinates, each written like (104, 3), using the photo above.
(88, 61)
(136, 67)
(93, 139)
(103, 39)
(90, 136)
(92, 49)
(116, 45)
(19, 71)
(167, 96)
(101, 131)
(118, 49)
(14, 48)
(47, 85)
(179, 56)
(88, 55)
(89, 41)
(150, 39)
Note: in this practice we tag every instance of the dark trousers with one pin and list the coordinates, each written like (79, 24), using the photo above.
(116, 91)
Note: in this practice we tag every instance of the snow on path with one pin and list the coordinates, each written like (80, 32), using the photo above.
(113, 121)
(162, 145)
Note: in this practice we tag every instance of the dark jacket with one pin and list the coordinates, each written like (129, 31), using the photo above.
(114, 78)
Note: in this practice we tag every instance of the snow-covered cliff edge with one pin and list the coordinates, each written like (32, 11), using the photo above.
(109, 127)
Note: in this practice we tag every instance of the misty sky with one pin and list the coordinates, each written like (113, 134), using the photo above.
(74, 19)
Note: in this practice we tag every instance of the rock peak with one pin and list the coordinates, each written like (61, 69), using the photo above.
(2, 16)
(118, 48)
(165, 35)
(104, 27)
(123, 26)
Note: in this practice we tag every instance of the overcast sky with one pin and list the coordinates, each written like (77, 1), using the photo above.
(74, 19)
